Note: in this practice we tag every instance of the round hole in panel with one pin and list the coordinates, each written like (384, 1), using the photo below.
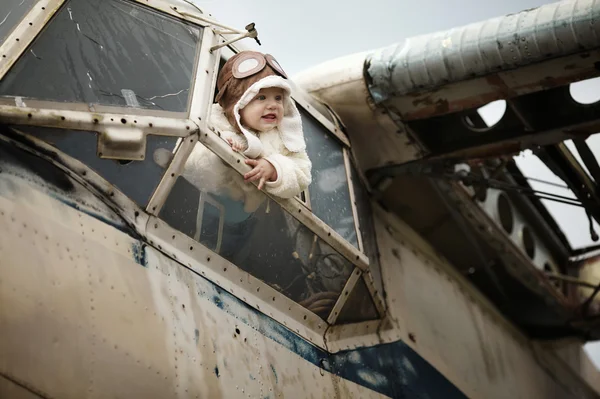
(486, 117)
(528, 242)
(505, 213)
(585, 92)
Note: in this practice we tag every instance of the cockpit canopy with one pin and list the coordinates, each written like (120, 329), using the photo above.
(125, 87)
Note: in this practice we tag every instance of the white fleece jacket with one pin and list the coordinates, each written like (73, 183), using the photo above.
(208, 172)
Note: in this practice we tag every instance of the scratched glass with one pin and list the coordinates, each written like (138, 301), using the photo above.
(11, 14)
(268, 242)
(136, 179)
(329, 190)
(108, 52)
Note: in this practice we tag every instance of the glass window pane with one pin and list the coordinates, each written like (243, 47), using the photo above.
(367, 229)
(329, 192)
(136, 179)
(109, 52)
(11, 14)
(266, 242)
(359, 306)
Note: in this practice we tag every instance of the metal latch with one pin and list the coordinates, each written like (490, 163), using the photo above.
(127, 143)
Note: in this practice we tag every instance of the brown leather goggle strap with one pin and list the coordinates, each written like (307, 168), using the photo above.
(275, 65)
(223, 89)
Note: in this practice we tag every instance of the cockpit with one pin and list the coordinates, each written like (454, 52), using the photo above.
(123, 89)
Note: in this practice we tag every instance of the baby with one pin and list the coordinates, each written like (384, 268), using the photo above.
(257, 117)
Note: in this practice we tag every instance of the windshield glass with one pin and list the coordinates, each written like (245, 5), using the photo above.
(109, 52)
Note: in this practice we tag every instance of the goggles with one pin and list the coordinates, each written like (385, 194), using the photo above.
(243, 65)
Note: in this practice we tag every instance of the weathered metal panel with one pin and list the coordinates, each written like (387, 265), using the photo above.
(94, 313)
(554, 30)
(13, 390)
(442, 317)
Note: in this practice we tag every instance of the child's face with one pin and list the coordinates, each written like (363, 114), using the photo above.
(265, 110)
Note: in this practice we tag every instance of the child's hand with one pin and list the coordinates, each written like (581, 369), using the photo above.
(262, 170)
(236, 145)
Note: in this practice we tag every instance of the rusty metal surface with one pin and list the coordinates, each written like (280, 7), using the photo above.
(417, 97)
(504, 43)
(107, 315)
(478, 91)
(96, 312)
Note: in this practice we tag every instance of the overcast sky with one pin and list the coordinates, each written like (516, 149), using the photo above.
(302, 34)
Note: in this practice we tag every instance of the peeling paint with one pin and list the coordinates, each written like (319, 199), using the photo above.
(377, 367)
(139, 253)
(103, 219)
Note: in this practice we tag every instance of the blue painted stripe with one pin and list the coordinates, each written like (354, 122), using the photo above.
(139, 253)
(392, 369)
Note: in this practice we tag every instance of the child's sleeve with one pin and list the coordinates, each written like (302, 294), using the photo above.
(293, 174)
(204, 169)
(238, 138)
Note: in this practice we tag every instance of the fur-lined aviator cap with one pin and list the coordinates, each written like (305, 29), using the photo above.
(240, 80)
